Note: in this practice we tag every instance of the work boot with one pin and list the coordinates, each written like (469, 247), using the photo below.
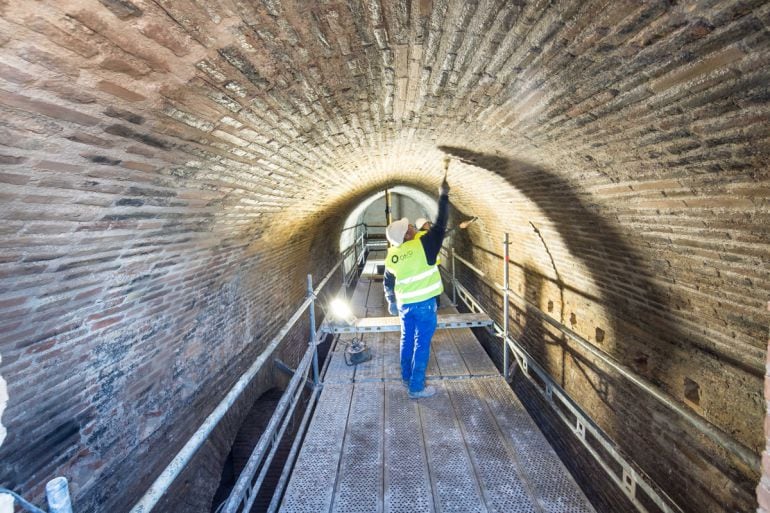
(425, 392)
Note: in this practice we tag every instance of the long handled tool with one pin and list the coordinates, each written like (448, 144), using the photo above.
(446, 166)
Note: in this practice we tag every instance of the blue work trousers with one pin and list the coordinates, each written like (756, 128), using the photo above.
(418, 322)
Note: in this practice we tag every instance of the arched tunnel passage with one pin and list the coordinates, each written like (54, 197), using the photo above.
(172, 170)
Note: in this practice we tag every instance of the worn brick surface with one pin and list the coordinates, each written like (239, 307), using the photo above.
(170, 171)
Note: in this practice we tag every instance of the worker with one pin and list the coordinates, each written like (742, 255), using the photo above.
(412, 283)
(423, 225)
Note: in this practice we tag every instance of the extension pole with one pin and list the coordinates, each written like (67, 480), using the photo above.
(506, 307)
(454, 279)
(388, 213)
(312, 342)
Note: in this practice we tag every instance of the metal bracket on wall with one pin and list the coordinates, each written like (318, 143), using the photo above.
(580, 429)
(629, 482)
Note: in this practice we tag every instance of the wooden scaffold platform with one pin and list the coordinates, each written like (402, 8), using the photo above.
(470, 448)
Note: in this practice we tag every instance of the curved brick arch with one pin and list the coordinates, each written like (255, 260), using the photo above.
(171, 171)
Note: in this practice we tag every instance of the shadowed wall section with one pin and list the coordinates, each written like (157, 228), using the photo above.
(172, 170)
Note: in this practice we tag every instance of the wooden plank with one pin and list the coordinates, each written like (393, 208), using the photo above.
(449, 360)
(476, 359)
(359, 298)
(312, 483)
(392, 349)
(445, 359)
(374, 368)
(407, 479)
(455, 487)
(492, 456)
(360, 483)
(548, 478)
(338, 371)
(376, 296)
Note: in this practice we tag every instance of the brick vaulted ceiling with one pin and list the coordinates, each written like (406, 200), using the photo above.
(633, 135)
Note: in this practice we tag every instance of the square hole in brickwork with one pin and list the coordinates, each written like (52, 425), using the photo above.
(572, 318)
(599, 335)
(691, 391)
(550, 306)
(640, 362)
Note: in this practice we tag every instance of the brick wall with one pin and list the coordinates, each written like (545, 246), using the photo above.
(763, 488)
(171, 171)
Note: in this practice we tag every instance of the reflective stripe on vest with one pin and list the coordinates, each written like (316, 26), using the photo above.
(415, 280)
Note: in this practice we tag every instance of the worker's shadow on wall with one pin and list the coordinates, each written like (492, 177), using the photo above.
(613, 263)
(548, 345)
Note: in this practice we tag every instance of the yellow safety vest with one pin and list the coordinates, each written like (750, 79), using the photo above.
(415, 280)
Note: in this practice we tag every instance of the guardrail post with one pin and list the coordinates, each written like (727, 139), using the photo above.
(506, 243)
(454, 278)
(58, 495)
(311, 308)
(363, 240)
(355, 248)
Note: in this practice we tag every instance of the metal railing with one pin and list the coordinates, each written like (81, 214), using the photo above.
(57, 496)
(630, 478)
(748, 457)
(246, 487)
(582, 425)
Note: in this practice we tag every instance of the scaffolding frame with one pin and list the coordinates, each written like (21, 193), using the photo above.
(246, 488)
(630, 479)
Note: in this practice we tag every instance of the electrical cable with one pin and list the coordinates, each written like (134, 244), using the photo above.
(22, 501)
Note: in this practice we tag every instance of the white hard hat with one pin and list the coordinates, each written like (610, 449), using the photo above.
(420, 221)
(396, 230)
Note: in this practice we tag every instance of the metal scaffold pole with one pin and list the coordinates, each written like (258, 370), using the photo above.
(355, 247)
(312, 342)
(454, 278)
(363, 241)
(506, 243)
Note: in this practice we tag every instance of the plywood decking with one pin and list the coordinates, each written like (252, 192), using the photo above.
(470, 448)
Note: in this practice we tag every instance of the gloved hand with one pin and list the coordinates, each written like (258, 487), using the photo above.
(444, 188)
(392, 308)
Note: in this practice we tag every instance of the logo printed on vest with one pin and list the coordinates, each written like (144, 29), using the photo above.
(402, 256)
